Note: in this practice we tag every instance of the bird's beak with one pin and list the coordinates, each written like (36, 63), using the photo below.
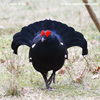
(43, 39)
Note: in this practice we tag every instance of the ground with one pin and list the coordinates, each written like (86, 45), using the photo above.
(80, 76)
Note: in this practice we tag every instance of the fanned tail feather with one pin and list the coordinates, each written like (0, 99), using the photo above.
(26, 35)
(69, 36)
(77, 40)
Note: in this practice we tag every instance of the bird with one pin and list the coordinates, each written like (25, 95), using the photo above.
(48, 41)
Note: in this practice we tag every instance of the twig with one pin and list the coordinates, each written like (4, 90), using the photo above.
(92, 14)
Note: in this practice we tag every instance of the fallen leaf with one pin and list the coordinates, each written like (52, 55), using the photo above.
(13, 67)
(2, 61)
(95, 71)
(79, 79)
(61, 71)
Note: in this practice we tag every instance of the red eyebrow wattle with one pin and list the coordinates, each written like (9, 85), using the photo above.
(42, 32)
(47, 33)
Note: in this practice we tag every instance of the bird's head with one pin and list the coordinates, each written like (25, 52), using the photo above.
(47, 36)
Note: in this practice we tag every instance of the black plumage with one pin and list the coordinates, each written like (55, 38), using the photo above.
(48, 52)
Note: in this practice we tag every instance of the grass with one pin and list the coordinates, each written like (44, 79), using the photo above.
(18, 78)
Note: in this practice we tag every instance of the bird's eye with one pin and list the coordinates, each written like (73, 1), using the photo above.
(42, 32)
(47, 33)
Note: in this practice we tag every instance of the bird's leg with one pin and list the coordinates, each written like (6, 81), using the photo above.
(46, 82)
(52, 78)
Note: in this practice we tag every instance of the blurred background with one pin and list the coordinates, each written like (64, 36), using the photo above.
(17, 75)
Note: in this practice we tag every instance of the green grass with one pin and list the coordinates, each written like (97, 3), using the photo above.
(17, 75)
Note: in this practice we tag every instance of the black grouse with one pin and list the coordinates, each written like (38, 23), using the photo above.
(48, 41)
